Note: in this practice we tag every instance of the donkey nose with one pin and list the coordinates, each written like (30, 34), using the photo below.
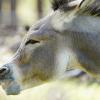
(4, 70)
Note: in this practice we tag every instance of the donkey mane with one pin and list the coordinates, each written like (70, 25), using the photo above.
(58, 4)
(92, 8)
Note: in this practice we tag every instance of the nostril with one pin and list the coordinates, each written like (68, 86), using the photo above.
(3, 71)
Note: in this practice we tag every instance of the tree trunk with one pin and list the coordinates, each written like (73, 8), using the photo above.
(13, 14)
(40, 8)
(0, 11)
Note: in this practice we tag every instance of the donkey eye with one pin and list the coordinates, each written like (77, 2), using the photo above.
(31, 42)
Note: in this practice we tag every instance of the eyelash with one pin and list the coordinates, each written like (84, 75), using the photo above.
(31, 42)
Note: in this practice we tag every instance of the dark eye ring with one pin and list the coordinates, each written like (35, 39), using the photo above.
(32, 42)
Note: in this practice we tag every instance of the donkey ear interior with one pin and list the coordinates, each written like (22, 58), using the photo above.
(75, 3)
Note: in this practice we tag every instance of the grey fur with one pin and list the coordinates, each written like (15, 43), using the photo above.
(61, 41)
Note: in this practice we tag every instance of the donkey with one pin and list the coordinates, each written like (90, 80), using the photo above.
(66, 39)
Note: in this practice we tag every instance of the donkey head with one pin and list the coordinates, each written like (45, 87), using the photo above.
(47, 50)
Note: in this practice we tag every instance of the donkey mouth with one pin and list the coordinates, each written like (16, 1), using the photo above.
(11, 87)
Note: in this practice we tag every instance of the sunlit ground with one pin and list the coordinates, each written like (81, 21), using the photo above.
(57, 91)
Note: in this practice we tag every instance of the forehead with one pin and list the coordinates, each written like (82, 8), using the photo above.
(60, 18)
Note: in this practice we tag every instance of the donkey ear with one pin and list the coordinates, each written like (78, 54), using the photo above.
(66, 4)
(79, 3)
(75, 3)
(84, 3)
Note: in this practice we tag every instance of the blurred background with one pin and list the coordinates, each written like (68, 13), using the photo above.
(16, 16)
